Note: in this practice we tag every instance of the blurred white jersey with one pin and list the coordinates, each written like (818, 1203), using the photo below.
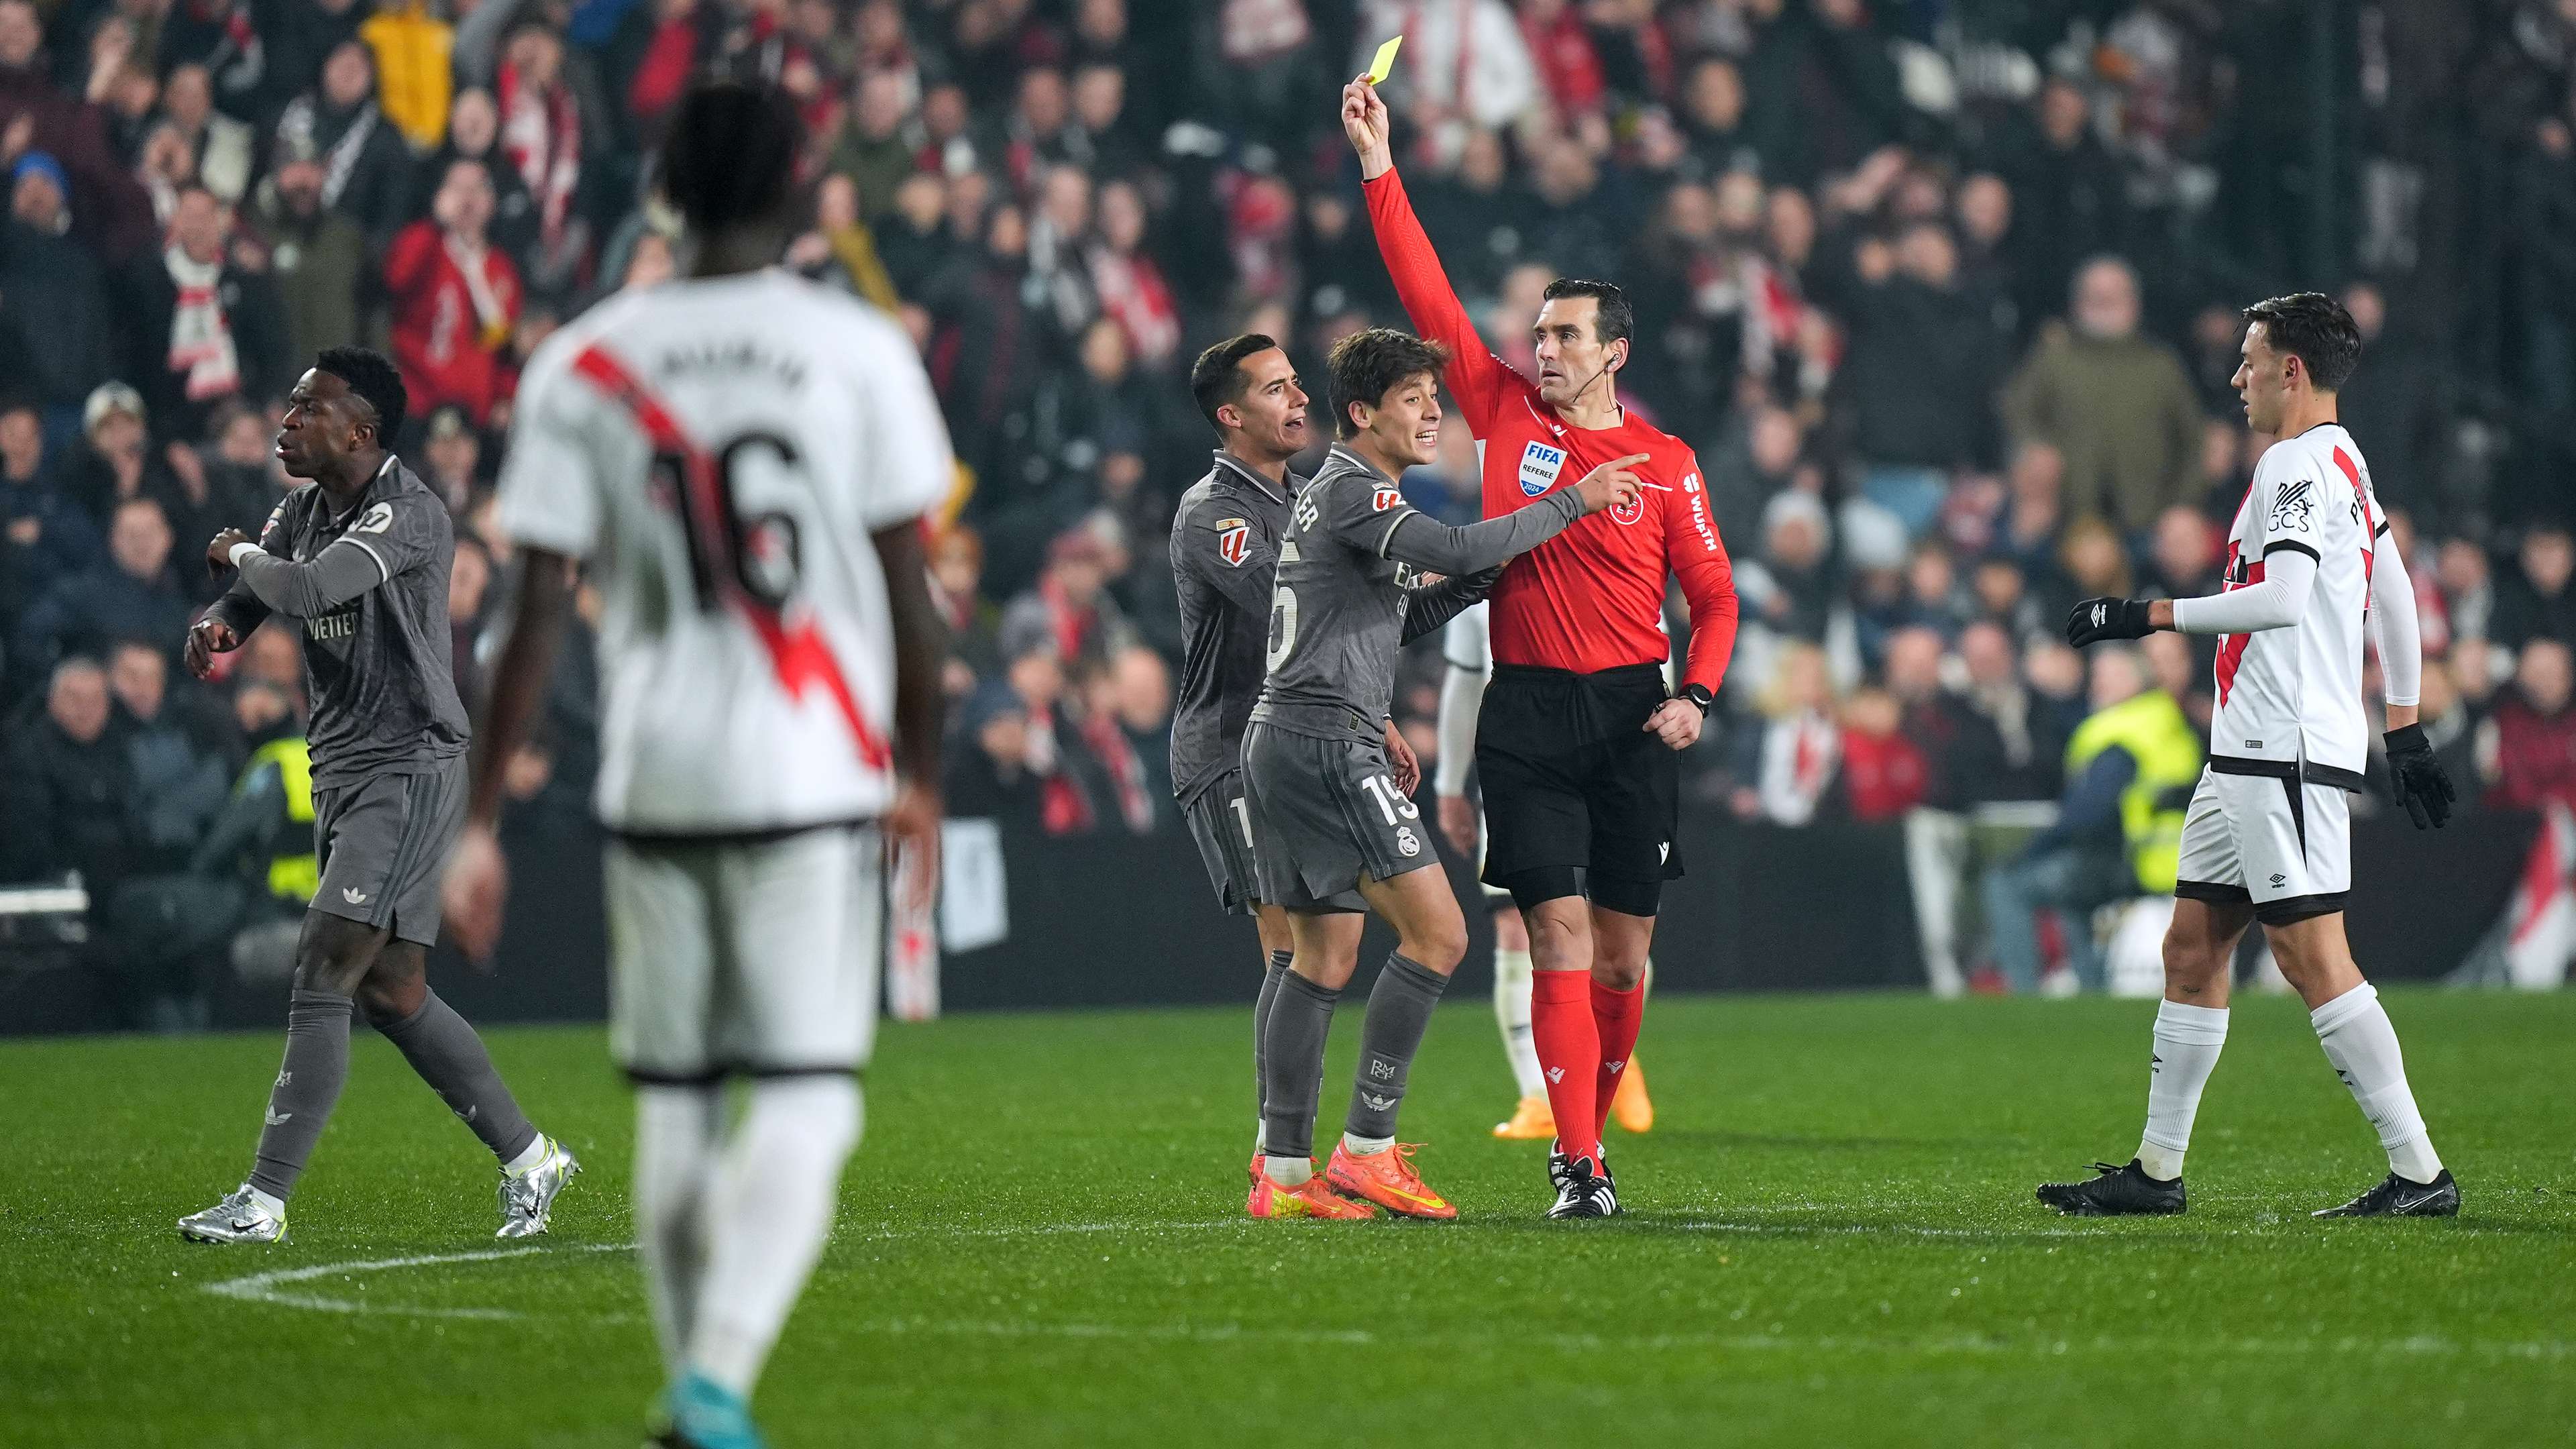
(720, 451)
(1466, 641)
(2294, 694)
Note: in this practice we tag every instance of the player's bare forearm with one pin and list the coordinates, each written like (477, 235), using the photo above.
(2402, 715)
(920, 642)
(537, 617)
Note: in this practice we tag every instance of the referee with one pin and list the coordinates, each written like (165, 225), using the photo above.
(1577, 739)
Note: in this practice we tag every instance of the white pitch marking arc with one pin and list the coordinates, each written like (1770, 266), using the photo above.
(264, 1288)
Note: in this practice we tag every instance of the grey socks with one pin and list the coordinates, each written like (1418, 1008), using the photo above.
(299, 1105)
(1399, 1011)
(1292, 1066)
(450, 1057)
(1260, 1036)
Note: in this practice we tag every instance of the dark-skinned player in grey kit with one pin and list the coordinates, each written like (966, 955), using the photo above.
(359, 556)
(1333, 835)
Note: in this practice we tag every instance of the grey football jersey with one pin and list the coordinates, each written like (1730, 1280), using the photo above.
(370, 588)
(1225, 543)
(1350, 593)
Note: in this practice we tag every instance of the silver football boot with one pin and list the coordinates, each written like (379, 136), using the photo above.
(528, 1198)
(237, 1219)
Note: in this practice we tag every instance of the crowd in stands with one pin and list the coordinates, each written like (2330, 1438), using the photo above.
(1943, 292)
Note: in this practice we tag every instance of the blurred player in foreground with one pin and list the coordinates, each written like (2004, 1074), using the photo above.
(359, 558)
(2269, 833)
(744, 460)
(1225, 545)
(1468, 651)
(1333, 832)
(1576, 741)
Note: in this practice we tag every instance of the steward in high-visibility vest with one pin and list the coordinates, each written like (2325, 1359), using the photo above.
(2164, 751)
(294, 873)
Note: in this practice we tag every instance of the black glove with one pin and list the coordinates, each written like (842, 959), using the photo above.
(2417, 780)
(2095, 620)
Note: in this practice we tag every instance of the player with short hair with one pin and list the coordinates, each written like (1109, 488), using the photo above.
(358, 556)
(2268, 836)
(1466, 647)
(1225, 545)
(1577, 737)
(744, 460)
(1333, 833)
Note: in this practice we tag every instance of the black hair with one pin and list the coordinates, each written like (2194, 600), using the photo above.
(1614, 322)
(373, 377)
(1218, 378)
(729, 157)
(2315, 329)
(1366, 365)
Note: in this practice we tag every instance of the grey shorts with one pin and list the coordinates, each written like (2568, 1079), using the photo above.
(1324, 814)
(383, 845)
(1221, 822)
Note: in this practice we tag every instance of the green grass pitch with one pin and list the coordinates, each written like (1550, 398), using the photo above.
(1830, 1241)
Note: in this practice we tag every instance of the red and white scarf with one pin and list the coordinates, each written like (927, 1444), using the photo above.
(201, 338)
(541, 134)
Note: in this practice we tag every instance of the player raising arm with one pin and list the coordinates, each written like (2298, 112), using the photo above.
(1333, 833)
(743, 459)
(358, 557)
(1575, 742)
(2269, 833)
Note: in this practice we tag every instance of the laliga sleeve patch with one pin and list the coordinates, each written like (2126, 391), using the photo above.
(1540, 465)
(1384, 499)
(1233, 540)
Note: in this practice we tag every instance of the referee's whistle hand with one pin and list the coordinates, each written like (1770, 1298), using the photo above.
(1676, 722)
(1611, 484)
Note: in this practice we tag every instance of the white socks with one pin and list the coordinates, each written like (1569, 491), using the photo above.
(728, 1237)
(2188, 1039)
(1366, 1146)
(1287, 1171)
(675, 1144)
(529, 1156)
(276, 1206)
(2362, 1046)
(1512, 1014)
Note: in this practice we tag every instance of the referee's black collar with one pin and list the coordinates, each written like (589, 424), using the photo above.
(1227, 461)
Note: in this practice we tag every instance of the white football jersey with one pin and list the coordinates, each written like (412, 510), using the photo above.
(2294, 693)
(1466, 641)
(720, 451)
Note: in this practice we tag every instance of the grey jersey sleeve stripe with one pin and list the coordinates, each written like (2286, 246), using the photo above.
(383, 572)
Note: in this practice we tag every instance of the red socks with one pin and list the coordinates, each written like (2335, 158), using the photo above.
(1569, 1053)
(1616, 1015)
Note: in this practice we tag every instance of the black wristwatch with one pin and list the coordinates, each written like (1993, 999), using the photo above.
(1698, 694)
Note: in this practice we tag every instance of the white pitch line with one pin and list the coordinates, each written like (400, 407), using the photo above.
(263, 1288)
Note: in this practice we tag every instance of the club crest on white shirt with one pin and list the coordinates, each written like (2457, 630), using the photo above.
(1539, 466)
(2290, 510)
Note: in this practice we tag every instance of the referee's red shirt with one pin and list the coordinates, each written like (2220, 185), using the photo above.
(1591, 598)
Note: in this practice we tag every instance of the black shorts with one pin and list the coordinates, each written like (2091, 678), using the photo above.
(1221, 822)
(1324, 814)
(1571, 777)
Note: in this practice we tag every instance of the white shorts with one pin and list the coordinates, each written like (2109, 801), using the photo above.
(2258, 833)
(755, 959)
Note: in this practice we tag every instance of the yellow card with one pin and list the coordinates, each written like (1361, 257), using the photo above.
(1384, 65)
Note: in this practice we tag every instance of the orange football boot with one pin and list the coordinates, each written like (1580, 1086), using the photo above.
(1630, 1107)
(1388, 1180)
(1313, 1198)
(1532, 1121)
